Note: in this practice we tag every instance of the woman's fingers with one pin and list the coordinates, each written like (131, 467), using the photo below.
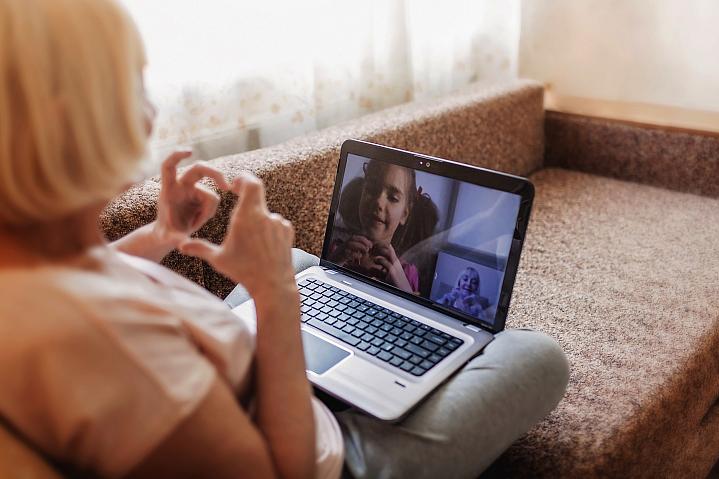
(169, 166)
(200, 248)
(198, 171)
(250, 192)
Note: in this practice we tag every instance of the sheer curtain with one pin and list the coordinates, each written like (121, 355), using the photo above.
(233, 75)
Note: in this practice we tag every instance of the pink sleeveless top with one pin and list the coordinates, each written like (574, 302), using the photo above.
(102, 357)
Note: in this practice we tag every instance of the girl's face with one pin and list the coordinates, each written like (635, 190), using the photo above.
(384, 204)
(468, 282)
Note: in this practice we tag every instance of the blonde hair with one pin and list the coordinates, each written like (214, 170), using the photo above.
(71, 106)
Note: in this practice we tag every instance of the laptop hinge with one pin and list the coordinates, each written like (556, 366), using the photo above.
(472, 327)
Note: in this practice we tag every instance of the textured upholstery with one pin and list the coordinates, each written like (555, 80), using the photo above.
(626, 278)
(624, 275)
(681, 160)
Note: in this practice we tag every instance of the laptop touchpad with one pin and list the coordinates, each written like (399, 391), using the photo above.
(320, 355)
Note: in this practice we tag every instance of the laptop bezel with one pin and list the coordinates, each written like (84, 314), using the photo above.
(450, 169)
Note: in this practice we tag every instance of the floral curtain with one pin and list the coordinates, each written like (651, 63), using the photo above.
(233, 75)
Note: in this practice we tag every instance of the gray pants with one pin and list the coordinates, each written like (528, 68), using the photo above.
(467, 422)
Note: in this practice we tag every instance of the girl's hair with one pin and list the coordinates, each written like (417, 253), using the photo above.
(423, 214)
(71, 110)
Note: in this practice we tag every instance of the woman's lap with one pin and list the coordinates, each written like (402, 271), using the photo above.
(467, 422)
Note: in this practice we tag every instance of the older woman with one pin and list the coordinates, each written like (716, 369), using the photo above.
(114, 365)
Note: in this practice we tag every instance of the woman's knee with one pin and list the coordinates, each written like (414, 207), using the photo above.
(536, 358)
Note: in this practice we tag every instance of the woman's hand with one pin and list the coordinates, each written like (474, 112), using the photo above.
(257, 248)
(184, 205)
(386, 257)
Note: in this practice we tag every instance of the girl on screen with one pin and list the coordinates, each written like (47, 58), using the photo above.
(386, 214)
(465, 295)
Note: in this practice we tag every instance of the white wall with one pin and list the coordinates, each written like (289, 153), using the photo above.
(662, 52)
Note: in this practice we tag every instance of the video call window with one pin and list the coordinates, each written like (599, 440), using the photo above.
(443, 239)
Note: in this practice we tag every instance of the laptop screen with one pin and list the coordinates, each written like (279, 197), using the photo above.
(443, 239)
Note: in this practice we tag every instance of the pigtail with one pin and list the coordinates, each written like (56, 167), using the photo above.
(421, 223)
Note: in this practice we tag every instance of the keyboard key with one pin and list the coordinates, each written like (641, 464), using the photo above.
(415, 360)
(348, 328)
(426, 364)
(417, 371)
(340, 324)
(406, 366)
(402, 353)
(332, 331)
(334, 313)
(358, 333)
(409, 328)
(322, 316)
(380, 315)
(332, 304)
(377, 323)
(395, 361)
(391, 338)
(367, 337)
(443, 352)
(416, 340)
(361, 324)
(384, 356)
(414, 349)
(406, 336)
(363, 346)
(373, 350)
(380, 334)
(401, 343)
(387, 346)
(434, 358)
(371, 329)
(429, 345)
(305, 317)
(396, 331)
(376, 342)
(386, 327)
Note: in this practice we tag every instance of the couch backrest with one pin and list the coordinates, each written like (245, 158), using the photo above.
(495, 126)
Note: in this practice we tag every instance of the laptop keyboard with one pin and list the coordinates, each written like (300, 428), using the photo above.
(402, 342)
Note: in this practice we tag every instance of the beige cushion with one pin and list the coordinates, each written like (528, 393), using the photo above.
(626, 278)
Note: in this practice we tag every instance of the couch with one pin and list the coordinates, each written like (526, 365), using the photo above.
(620, 265)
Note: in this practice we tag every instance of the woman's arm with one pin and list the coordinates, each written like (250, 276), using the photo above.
(183, 207)
(257, 253)
(218, 440)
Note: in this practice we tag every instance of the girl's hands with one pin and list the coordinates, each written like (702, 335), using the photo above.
(386, 257)
(257, 248)
(184, 206)
(352, 252)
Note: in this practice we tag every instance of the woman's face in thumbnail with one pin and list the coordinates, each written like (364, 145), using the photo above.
(469, 281)
(384, 203)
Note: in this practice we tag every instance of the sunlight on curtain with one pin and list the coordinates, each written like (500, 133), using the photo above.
(230, 75)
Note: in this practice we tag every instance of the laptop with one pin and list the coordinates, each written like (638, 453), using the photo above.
(416, 275)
